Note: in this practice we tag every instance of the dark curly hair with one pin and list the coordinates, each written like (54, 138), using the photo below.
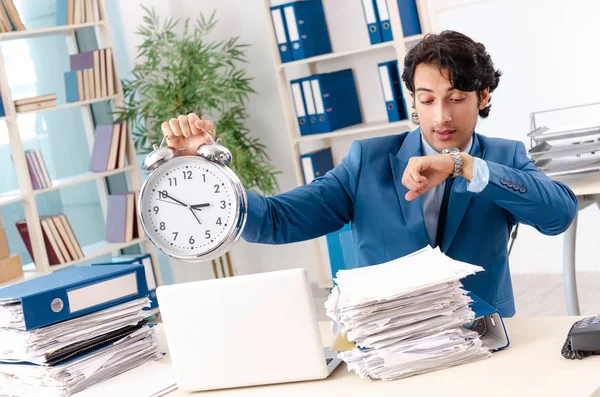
(470, 67)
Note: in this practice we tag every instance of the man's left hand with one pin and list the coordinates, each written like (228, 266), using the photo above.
(426, 172)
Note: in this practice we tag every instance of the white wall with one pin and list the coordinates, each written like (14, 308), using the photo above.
(539, 49)
(547, 52)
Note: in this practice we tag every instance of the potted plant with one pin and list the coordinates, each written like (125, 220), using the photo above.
(184, 73)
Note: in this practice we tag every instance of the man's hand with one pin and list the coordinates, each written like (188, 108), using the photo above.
(426, 172)
(185, 132)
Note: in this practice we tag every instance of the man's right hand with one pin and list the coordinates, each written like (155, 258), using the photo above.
(185, 132)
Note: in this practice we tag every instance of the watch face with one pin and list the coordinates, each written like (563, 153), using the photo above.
(189, 206)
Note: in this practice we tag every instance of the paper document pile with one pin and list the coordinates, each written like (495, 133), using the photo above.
(405, 317)
(64, 358)
(65, 331)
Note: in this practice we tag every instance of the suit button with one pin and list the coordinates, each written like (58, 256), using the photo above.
(509, 184)
(522, 190)
(503, 181)
(516, 187)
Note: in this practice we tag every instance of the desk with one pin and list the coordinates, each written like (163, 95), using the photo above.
(587, 190)
(532, 365)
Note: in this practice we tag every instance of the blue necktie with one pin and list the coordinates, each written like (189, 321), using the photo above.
(439, 238)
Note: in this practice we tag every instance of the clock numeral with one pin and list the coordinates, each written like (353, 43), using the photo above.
(162, 194)
(219, 221)
(207, 234)
(172, 181)
(192, 241)
(223, 204)
(162, 226)
(203, 177)
(187, 174)
(216, 188)
(175, 237)
(156, 209)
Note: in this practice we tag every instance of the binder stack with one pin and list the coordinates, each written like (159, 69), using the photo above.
(326, 102)
(411, 316)
(377, 18)
(62, 333)
(300, 30)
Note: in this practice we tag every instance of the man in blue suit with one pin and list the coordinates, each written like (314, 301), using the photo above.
(440, 185)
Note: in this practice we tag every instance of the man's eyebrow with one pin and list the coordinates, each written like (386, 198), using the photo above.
(430, 90)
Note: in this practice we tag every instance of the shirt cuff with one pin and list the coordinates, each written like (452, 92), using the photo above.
(481, 176)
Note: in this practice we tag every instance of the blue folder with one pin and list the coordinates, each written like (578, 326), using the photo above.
(301, 106)
(372, 20)
(392, 91)
(306, 28)
(409, 17)
(75, 292)
(281, 35)
(336, 101)
(146, 261)
(316, 164)
(495, 337)
(384, 20)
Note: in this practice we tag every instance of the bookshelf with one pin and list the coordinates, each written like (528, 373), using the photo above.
(27, 195)
(399, 44)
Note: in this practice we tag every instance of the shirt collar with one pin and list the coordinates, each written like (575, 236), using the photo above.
(429, 151)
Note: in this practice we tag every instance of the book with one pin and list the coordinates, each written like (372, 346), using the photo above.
(13, 16)
(38, 172)
(95, 75)
(121, 217)
(60, 242)
(110, 147)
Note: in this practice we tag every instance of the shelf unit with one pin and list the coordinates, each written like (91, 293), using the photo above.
(27, 195)
(399, 44)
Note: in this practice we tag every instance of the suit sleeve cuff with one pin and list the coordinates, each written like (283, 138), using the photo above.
(481, 176)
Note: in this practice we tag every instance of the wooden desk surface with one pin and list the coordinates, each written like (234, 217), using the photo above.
(532, 365)
(581, 185)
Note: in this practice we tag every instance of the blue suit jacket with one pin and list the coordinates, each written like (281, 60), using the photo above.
(366, 189)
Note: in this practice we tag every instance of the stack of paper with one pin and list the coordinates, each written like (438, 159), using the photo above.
(406, 316)
(64, 358)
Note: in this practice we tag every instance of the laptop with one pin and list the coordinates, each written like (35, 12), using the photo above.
(244, 331)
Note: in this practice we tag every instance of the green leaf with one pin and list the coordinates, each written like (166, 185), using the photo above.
(180, 70)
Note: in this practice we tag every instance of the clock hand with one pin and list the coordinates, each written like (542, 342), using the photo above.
(198, 206)
(196, 216)
(170, 202)
(178, 201)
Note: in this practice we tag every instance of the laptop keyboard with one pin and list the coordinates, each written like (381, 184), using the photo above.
(328, 360)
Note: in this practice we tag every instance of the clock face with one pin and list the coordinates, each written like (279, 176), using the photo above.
(188, 206)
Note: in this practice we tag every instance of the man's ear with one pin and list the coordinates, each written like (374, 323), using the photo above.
(485, 98)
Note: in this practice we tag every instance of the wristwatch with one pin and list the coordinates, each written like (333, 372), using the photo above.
(458, 165)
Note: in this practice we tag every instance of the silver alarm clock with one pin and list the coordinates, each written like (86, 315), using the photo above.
(192, 208)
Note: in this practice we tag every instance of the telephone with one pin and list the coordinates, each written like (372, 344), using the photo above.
(583, 339)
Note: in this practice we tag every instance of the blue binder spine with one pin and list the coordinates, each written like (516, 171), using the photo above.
(392, 91)
(299, 104)
(307, 29)
(309, 101)
(285, 51)
(75, 292)
(336, 100)
(372, 20)
(316, 164)
(409, 17)
(384, 20)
